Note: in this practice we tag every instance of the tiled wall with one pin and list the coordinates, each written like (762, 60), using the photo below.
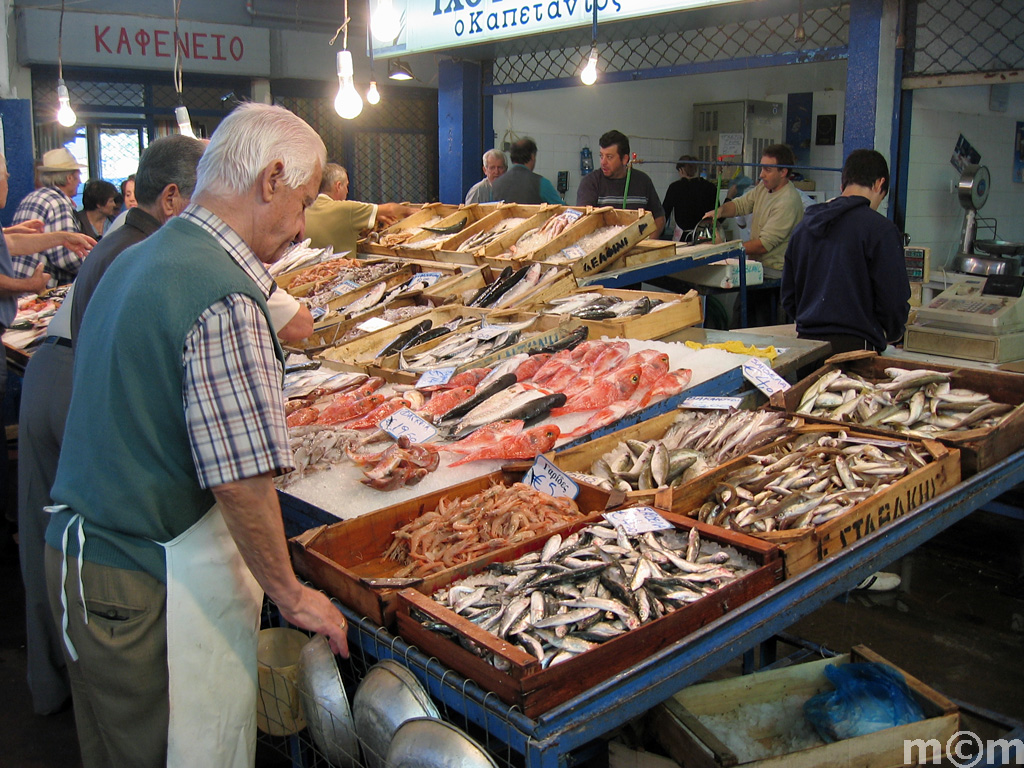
(934, 215)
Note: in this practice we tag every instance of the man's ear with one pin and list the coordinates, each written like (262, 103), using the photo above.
(169, 199)
(270, 179)
(878, 185)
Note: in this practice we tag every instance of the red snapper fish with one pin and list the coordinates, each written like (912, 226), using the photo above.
(381, 412)
(302, 417)
(528, 368)
(618, 386)
(671, 383)
(442, 402)
(607, 415)
(336, 413)
(486, 435)
(525, 445)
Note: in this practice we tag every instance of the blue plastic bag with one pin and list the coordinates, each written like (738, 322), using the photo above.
(868, 697)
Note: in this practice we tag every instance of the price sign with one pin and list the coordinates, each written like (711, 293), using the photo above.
(711, 403)
(547, 478)
(764, 378)
(572, 215)
(344, 287)
(374, 324)
(637, 520)
(573, 253)
(407, 423)
(427, 278)
(486, 332)
(435, 377)
(318, 312)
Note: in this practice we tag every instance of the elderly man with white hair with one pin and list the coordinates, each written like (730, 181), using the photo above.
(495, 164)
(166, 528)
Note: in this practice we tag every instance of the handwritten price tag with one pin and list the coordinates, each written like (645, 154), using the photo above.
(318, 312)
(427, 278)
(345, 286)
(764, 378)
(435, 377)
(637, 520)
(487, 332)
(711, 403)
(407, 423)
(374, 324)
(547, 478)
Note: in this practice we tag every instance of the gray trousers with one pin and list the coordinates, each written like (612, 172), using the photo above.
(46, 394)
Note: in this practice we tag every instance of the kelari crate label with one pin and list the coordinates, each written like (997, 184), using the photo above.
(711, 403)
(545, 477)
(435, 377)
(406, 423)
(763, 377)
(637, 520)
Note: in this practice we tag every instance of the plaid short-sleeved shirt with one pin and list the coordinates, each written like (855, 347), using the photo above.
(57, 213)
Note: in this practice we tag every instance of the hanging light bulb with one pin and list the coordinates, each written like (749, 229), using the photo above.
(589, 74)
(65, 114)
(347, 103)
(386, 22)
(184, 122)
(373, 95)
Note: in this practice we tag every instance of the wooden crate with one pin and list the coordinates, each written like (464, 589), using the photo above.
(534, 216)
(805, 547)
(647, 251)
(655, 325)
(979, 448)
(413, 221)
(345, 558)
(637, 226)
(287, 281)
(537, 690)
(692, 744)
(562, 285)
(342, 300)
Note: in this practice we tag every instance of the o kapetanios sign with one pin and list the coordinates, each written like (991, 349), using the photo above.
(430, 25)
(142, 42)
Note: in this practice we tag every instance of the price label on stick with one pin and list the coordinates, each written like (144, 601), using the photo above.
(637, 520)
(435, 377)
(712, 403)
(408, 424)
(546, 477)
(764, 378)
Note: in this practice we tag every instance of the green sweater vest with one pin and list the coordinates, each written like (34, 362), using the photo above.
(126, 464)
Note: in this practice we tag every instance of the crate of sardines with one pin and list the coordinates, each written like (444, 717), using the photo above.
(980, 412)
(671, 449)
(574, 609)
(628, 314)
(819, 490)
(429, 541)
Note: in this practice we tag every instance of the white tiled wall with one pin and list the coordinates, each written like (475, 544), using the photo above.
(940, 115)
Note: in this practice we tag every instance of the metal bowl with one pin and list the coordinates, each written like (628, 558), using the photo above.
(325, 704)
(999, 247)
(425, 742)
(388, 696)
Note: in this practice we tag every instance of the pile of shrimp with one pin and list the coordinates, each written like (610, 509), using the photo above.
(460, 530)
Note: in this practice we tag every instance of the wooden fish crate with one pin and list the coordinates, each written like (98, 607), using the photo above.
(536, 690)
(326, 336)
(805, 547)
(342, 300)
(361, 352)
(647, 251)
(341, 557)
(533, 215)
(288, 280)
(691, 743)
(562, 285)
(414, 221)
(979, 448)
(636, 225)
(654, 325)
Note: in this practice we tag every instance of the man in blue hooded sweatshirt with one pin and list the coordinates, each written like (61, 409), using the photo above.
(844, 279)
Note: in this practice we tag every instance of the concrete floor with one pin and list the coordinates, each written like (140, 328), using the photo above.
(957, 623)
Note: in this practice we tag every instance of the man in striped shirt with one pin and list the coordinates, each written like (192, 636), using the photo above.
(60, 176)
(618, 184)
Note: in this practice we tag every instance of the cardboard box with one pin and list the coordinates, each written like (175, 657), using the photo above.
(691, 743)
(724, 274)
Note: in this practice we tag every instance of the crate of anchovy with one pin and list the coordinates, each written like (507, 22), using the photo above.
(427, 542)
(819, 490)
(672, 449)
(573, 610)
(598, 241)
(979, 412)
(758, 721)
(628, 314)
(388, 239)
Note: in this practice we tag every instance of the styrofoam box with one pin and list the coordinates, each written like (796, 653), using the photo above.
(724, 274)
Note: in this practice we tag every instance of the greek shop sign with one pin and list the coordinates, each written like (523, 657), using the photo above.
(142, 42)
(430, 25)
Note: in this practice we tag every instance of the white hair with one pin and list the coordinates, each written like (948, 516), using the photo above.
(251, 138)
(496, 153)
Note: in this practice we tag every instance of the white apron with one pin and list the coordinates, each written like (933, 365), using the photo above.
(213, 613)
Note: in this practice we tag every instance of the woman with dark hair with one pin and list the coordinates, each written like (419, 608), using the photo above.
(99, 202)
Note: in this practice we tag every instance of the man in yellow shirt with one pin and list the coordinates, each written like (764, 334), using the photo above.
(335, 220)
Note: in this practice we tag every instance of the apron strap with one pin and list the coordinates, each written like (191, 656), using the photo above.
(76, 520)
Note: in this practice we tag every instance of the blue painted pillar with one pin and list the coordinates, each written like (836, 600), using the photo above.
(459, 121)
(16, 115)
(862, 75)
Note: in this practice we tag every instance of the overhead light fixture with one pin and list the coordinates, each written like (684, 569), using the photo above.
(399, 70)
(347, 103)
(386, 22)
(184, 122)
(799, 35)
(65, 114)
(373, 95)
(588, 75)
(181, 111)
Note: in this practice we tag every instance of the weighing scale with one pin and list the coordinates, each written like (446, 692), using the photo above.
(1000, 257)
(980, 318)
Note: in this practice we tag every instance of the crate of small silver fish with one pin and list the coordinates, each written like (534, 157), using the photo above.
(576, 608)
(979, 412)
(428, 541)
(819, 490)
(628, 314)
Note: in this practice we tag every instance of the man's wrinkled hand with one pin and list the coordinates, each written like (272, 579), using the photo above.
(79, 243)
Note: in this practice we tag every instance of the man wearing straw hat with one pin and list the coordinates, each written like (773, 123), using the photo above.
(60, 175)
